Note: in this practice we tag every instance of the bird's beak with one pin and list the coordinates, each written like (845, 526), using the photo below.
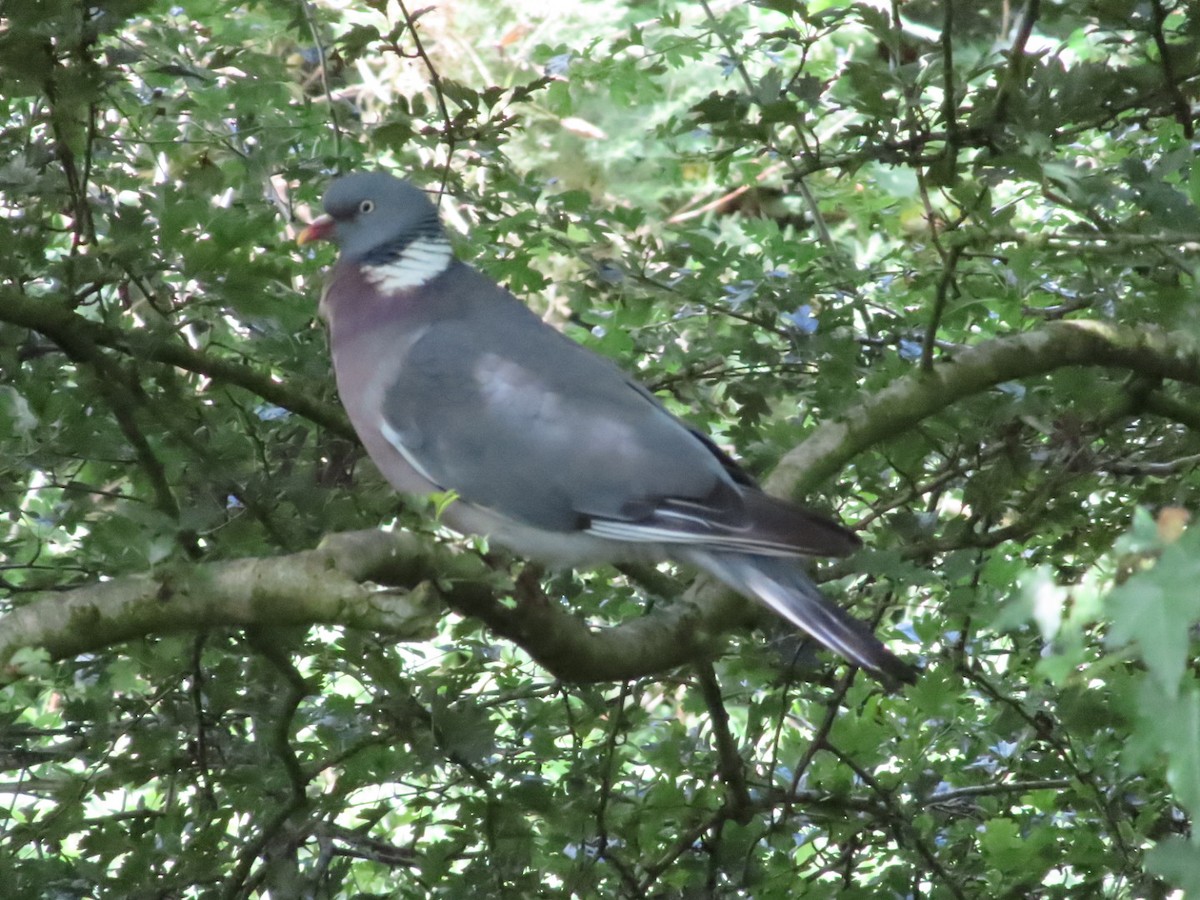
(318, 230)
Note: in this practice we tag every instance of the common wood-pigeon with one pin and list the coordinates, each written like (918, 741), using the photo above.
(455, 385)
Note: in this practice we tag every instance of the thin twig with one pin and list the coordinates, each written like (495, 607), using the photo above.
(729, 761)
(323, 64)
(945, 284)
(1183, 110)
(436, 81)
(1014, 76)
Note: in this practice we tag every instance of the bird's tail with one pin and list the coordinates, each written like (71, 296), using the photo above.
(782, 585)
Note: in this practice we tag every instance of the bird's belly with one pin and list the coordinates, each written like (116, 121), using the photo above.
(557, 549)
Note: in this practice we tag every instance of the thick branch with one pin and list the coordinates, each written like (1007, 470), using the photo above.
(907, 401)
(339, 584)
(317, 586)
(572, 650)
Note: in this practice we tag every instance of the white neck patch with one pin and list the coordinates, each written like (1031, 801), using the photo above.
(420, 262)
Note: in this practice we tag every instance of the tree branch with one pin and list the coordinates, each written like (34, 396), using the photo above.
(338, 584)
(908, 401)
(317, 586)
(67, 328)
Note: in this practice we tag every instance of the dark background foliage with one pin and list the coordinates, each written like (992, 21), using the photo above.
(930, 265)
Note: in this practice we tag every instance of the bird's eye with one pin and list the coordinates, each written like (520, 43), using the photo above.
(366, 206)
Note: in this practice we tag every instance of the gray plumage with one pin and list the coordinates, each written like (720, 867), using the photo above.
(453, 384)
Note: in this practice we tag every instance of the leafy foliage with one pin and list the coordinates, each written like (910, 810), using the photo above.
(792, 219)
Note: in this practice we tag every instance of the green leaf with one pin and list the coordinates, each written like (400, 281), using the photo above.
(1157, 609)
(1178, 861)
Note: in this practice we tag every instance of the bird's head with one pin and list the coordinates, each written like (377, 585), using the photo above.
(372, 215)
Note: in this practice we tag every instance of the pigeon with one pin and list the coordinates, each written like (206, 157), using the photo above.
(548, 449)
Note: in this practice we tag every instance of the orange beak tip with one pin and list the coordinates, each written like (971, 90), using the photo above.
(318, 230)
